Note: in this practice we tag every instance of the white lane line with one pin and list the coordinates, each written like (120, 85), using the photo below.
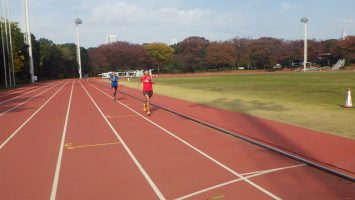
(274, 169)
(18, 105)
(23, 94)
(140, 167)
(60, 156)
(24, 123)
(199, 151)
(246, 175)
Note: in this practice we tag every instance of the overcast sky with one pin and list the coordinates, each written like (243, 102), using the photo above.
(140, 21)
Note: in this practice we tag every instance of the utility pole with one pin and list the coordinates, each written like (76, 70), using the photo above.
(29, 42)
(7, 41)
(11, 48)
(3, 49)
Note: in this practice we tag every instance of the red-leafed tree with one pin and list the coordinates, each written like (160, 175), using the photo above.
(265, 51)
(119, 56)
(190, 54)
(221, 54)
(345, 49)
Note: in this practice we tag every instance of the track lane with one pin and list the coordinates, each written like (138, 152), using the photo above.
(17, 90)
(18, 116)
(97, 170)
(169, 156)
(18, 94)
(14, 91)
(28, 161)
(20, 88)
(8, 107)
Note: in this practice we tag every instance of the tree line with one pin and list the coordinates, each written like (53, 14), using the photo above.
(193, 54)
(199, 54)
(51, 61)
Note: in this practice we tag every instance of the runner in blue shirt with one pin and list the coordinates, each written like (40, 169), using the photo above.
(114, 84)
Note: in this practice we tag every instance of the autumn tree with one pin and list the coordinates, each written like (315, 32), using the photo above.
(161, 54)
(220, 54)
(119, 56)
(190, 53)
(242, 50)
(346, 49)
(265, 51)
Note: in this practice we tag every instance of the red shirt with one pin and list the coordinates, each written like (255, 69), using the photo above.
(147, 83)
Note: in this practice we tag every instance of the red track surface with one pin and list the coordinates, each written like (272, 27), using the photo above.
(337, 152)
(119, 153)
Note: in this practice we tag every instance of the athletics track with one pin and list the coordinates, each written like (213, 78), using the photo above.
(68, 140)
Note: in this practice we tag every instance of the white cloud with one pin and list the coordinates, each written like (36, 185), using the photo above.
(348, 22)
(145, 24)
(286, 7)
(108, 13)
(128, 13)
(142, 21)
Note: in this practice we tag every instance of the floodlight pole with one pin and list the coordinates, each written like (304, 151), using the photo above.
(3, 46)
(5, 4)
(29, 42)
(305, 21)
(11, 46)
(77, 22)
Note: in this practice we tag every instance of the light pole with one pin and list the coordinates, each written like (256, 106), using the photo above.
(3, 49)
(5, 4)
(305, 21)
(29, 42)
(11, 47)
(77, 22)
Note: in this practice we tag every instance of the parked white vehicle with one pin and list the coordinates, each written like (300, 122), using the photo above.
(106, 74)
(127, 74)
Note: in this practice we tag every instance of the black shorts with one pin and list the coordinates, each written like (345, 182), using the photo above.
(115, 87)
(149, 93)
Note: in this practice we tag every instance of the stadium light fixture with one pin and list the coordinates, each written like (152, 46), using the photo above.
(77, 23)
(305, 21)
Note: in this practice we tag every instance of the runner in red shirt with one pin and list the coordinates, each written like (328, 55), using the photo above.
(147, 81)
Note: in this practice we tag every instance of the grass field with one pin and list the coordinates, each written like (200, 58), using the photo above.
(311, 100)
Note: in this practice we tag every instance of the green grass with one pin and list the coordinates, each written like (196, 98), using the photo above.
(311, 100)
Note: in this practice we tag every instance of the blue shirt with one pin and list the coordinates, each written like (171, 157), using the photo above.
(114, 81)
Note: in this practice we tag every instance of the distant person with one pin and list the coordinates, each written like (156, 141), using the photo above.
(114, 84)
(147, 81)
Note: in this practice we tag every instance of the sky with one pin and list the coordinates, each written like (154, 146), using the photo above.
(145, 21)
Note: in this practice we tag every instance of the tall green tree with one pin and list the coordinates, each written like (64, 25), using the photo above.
(18, 50)
(70, 60)
(51, 60)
